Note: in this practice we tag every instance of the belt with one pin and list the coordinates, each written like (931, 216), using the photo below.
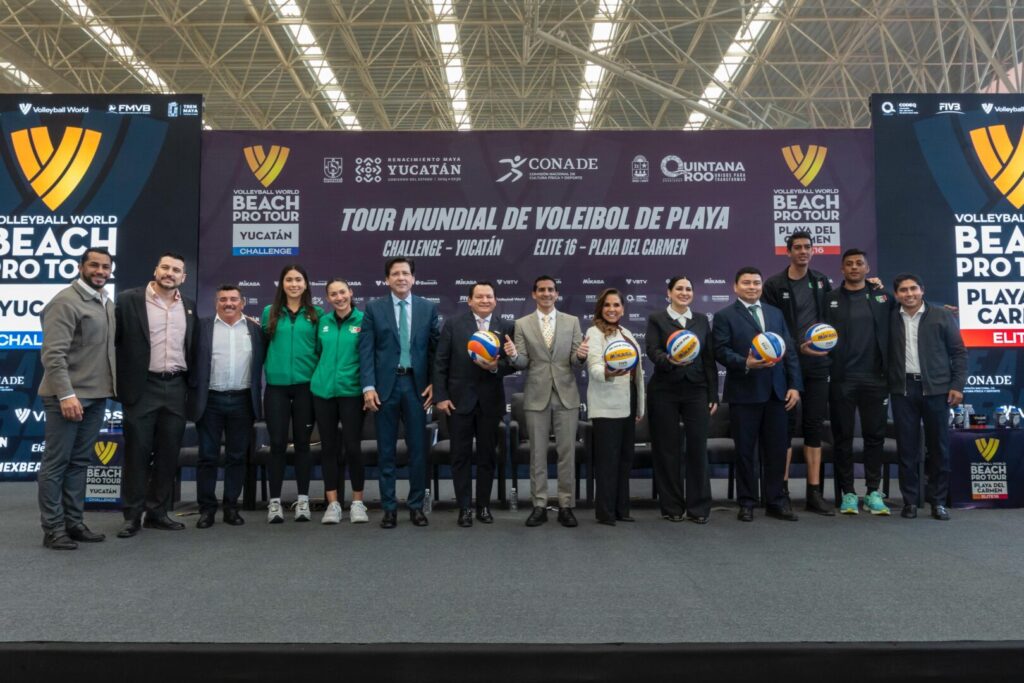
(403, 371)
(232, 392)
(913, 376)
(167, 375)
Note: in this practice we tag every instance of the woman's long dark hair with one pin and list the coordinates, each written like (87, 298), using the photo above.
(606, 327)
(277, 309)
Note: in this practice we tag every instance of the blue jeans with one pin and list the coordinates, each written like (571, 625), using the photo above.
(228, 417)
(66, 460)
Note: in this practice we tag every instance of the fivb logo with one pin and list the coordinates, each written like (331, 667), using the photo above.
(987, 448)
(105, 450)
(805, 167)
(266, 166)
(1003, 162)
(54, 174)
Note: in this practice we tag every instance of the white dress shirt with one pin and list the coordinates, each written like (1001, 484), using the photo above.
(682, 318)
(910, 325)
(231, 357)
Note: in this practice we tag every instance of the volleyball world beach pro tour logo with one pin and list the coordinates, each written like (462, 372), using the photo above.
(266, 166)
(1002, 161)
(805, 167)
(55, 173)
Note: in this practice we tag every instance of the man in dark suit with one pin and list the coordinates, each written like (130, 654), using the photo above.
(927, 373)
(758, 393)
(226, 400)
(396, 349)
(471, 393)
(155, 331)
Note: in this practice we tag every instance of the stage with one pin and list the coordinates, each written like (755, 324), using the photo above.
(784, 589)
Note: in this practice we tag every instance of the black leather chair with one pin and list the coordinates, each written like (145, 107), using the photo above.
(520, 448)
(721, 448)
(643, 458)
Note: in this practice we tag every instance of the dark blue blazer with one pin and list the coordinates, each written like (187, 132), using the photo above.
(731, 333)
(201, 364)
(379, 350)
(458, 379)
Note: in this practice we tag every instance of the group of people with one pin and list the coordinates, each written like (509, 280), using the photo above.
(395, 360)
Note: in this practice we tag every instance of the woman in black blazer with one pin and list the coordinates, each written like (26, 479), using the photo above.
(687, 391)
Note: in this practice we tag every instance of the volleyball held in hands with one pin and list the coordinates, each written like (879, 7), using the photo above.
(683, 346)
(484, 345)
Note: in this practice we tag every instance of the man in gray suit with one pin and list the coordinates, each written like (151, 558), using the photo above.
(78, 378)
(550, 346)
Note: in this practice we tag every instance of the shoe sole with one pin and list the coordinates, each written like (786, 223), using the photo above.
(330, 521)
(276, 520)
(880, 513)
(849, 512)
(359, 521)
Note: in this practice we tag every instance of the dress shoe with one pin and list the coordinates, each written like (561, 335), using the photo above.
(698, 519)
(484, 515)
(390, 520)
(940, 513)
(232, 517)
(537, 517)
(745, 514)
(817, 504)
(624, 518)
(129, 528)
(84, 534)
(606, 522)
(206, 519)
(909, 512)
(566, 518)
(419, 519)
(465, 518)
(672, 518)
(162, 522)
(783, 512)
(58, 540)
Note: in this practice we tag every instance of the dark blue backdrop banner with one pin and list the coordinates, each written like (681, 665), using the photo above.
(950, 200)
(595, 210)
(119, 171)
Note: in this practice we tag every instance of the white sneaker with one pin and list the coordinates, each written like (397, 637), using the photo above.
(274, 514)
(301, 508)
(357, 513)
(333, 514)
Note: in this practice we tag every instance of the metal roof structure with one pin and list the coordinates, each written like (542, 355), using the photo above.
(515, 64)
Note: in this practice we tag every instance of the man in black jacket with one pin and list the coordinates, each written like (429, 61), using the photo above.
(800, 293)
(472, 394)
(858, 383)
(927, 373)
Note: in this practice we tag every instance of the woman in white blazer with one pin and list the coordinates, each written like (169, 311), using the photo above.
(615, 403)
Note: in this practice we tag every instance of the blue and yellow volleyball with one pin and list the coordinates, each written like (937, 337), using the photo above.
(484, 345)
(683, 346)
(768, 346)
(620, 355)
(822, 337)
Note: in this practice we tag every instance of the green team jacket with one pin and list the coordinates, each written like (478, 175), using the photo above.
(291, 354)
(337, 372)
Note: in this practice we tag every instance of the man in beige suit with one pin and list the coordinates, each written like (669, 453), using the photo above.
(550, 345)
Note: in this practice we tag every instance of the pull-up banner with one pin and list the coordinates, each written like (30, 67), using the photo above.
(951, 209)
(602, 209)
(119, 172)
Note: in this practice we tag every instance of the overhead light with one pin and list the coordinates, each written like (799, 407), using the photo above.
(310, 53)
(448, 40)
(735, 58)
(20, 77)
(602, 34)
(111, 41)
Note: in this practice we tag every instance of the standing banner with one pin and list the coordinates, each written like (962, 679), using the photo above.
(950, 198)
(118, 171)
(595, 210)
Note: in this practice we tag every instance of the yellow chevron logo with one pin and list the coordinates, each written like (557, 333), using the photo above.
(54, 174)
(1002, 161)
(105, 450)
(804, 167)
(266, 166)
(987, 447)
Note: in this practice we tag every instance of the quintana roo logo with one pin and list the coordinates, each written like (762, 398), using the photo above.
(266, 166)
(1003, 162)
(987, 448)
(54, 174)
(105, 450)
(805, 167)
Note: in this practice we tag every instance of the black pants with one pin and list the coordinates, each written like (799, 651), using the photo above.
(613, 459)
(464, 429)
(909, 412)
(869, 397)
(763, 424)
(813, 410)
(337, 451)
(664, 414)
(284, 405)
(153, 427)
(227, 417)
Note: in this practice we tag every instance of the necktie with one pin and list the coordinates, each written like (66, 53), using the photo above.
(481, 324)
(404, 357)
(548, 331)
(755, 311)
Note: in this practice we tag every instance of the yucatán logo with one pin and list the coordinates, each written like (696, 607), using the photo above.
(804, 167)
(333, 167)
(266, 166)
(368, 170)
(546, 168)
(1002, 161)
(55, 173)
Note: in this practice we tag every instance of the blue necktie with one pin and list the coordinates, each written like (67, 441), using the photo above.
(404, 357)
